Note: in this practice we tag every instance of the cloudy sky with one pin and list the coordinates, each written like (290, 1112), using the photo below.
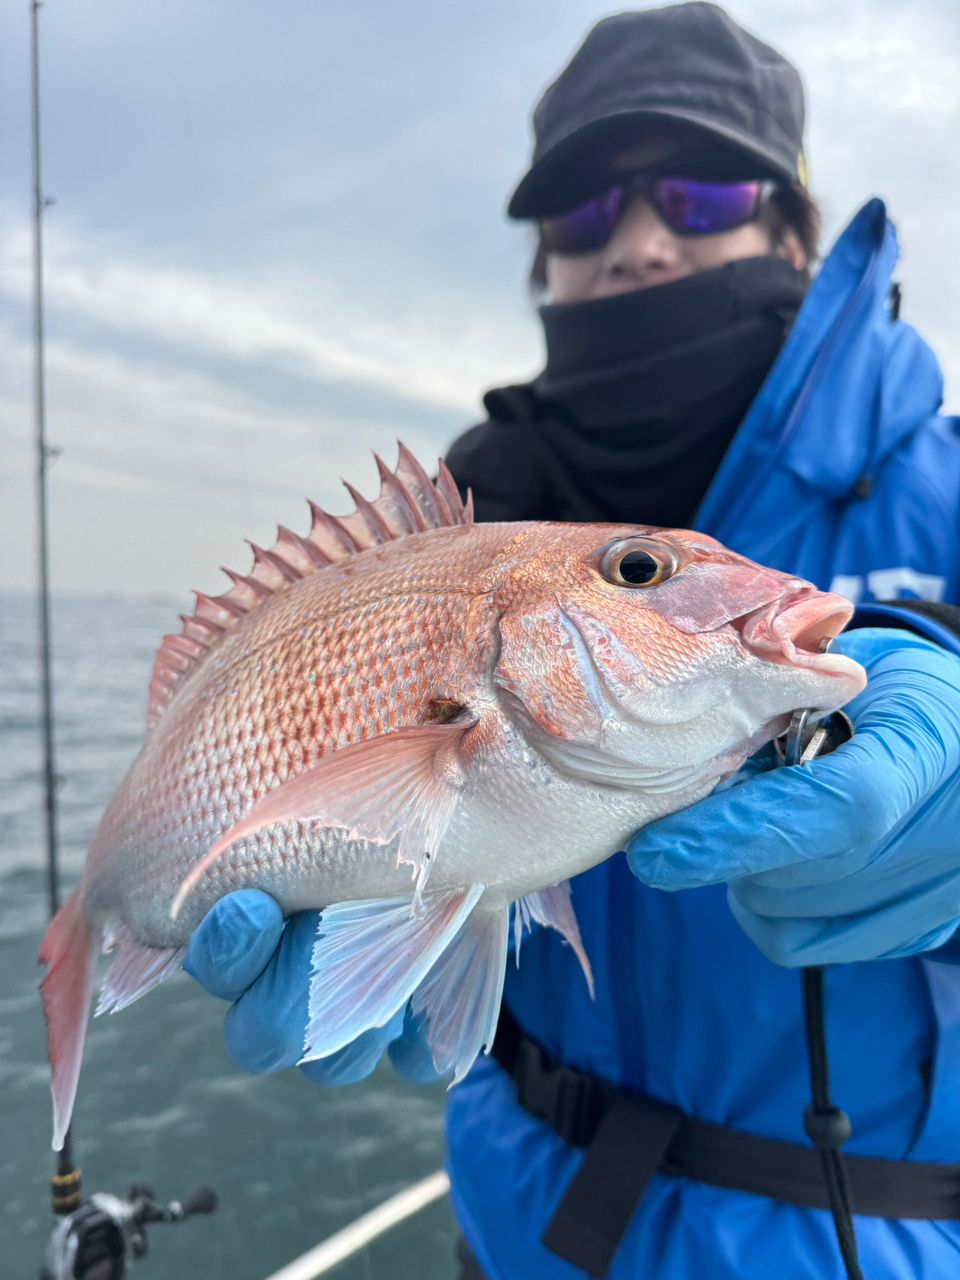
(278, 242)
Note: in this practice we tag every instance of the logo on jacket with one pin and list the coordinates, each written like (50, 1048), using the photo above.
(890, 584)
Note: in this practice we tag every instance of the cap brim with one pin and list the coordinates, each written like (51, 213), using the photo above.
(561, 177)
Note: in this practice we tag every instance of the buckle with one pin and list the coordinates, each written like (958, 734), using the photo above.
(559, 1095)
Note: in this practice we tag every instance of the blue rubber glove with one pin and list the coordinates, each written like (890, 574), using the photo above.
(244, 951)
(855, 856)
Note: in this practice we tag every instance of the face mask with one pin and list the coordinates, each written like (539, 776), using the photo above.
(655, 352)
(642, 392)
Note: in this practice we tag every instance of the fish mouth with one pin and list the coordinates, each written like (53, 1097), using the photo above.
(797, 629)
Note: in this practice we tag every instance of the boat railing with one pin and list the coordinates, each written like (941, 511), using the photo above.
(344, 1244)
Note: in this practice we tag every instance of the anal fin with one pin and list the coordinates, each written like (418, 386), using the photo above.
(553, 908)
(135, 970)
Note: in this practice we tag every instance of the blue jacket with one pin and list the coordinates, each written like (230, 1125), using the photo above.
(844, 473)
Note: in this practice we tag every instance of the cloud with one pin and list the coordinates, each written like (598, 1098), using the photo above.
(179, 400)
(208, 318)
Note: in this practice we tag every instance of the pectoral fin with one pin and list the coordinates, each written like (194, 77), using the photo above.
(405, 784)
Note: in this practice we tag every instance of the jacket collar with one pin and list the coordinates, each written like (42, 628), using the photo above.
(849, 386)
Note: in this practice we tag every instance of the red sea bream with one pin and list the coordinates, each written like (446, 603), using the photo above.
(415, 722)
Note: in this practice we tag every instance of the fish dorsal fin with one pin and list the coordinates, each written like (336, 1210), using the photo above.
(408, 502)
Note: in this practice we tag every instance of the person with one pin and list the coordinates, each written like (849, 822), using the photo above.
(700, 373)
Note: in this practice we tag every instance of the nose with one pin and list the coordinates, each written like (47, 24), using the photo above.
(642, 250)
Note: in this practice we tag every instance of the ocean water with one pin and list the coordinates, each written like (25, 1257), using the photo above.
(160, 1101)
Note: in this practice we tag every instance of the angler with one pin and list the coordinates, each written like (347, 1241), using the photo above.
(700, 374)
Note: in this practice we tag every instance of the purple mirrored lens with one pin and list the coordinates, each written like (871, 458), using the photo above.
(587, 227)
(692, 207)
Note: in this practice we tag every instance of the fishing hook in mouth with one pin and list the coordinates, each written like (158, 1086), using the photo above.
(811, 734)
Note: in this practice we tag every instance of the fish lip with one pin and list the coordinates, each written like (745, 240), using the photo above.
(793, 630)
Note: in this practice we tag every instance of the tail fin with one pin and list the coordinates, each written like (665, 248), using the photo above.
(69, 948)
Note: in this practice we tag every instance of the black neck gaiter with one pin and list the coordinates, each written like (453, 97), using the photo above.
(642, 392)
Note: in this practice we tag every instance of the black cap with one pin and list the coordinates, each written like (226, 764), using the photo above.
(686, 63)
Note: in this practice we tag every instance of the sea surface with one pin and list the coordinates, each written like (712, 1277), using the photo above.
(160, 1102)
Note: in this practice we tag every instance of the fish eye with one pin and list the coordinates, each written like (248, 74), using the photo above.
(638, 562)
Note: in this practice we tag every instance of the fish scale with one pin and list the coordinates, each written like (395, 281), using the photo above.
(413, 722)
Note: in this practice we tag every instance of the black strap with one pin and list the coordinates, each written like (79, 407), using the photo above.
(626, 1134)
(827, 1127)
(469, 1266)
(626, 1151)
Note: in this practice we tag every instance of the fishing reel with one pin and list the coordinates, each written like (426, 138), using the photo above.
(97, 1240)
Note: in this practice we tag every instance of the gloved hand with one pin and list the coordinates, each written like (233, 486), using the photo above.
(856, 855)
(243, 951)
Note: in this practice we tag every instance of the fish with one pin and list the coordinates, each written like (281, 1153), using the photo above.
(424, 726)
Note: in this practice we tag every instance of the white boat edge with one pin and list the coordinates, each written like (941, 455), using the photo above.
(356, 1235)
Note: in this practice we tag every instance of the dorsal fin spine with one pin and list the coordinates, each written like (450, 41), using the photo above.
(324, 520)
(409, 502)
(275, 563)
(293, 544)
(425, 489)
(200, 628)
(379, 529)
(220, 604)
(392, 486)
(256, 589)
(447, 488)
(183, 643)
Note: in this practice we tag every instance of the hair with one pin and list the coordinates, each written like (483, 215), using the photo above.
(791, 207)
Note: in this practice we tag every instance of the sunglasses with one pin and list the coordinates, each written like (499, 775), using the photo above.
(688, 206)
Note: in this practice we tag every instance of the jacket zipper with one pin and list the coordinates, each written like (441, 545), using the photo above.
(723, 532)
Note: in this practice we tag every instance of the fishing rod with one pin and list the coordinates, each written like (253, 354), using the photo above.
(95, 1237)
(808, 736)
(66, 1181)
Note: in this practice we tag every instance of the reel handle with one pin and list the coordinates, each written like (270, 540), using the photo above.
(201, 1199)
